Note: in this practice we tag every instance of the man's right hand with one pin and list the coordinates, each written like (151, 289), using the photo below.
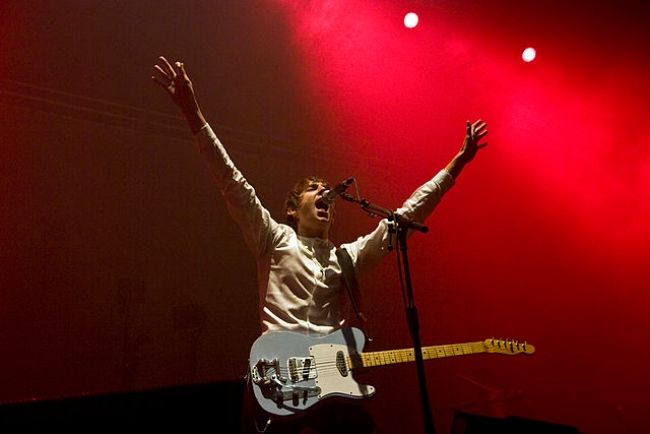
(179, 87)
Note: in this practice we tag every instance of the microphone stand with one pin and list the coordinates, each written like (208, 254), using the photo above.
(403, 224)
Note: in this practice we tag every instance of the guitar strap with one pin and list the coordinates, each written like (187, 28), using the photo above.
(351, 283)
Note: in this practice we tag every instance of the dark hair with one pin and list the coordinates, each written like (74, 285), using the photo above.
(293, 196)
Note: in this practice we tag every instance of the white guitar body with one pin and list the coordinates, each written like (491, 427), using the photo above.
(292, 372)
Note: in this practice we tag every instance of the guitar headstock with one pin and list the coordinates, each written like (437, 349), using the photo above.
(508, 346)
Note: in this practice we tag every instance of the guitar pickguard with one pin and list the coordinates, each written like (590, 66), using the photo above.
(334, 378)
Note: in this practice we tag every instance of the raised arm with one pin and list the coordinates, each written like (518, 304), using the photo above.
(368, 250)
(257, 225)
(175, 81)
(473, 134)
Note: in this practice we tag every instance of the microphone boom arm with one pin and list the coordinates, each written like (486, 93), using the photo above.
(373, 209)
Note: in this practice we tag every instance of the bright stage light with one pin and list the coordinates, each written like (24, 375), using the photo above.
(411, 20)
(529, 54)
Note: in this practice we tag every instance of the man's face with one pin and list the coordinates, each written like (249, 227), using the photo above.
(313, 216)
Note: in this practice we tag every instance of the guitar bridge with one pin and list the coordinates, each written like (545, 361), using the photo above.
(267, 371)
(267, 375)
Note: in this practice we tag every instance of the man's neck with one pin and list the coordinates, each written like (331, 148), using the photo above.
(322, 234)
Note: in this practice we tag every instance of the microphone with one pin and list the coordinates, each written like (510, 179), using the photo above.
(329, 195)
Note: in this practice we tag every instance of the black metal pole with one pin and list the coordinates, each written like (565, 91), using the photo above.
(414, 328)
(403, 224)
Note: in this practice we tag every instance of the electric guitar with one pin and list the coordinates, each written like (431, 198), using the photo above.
(290, 372)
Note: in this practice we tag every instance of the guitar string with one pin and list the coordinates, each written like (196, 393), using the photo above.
(333, 366)
(397, 356)
(387, 358)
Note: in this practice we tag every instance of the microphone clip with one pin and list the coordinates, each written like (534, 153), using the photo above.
(329, 196)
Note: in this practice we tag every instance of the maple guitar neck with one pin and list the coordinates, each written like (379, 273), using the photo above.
(405, 355)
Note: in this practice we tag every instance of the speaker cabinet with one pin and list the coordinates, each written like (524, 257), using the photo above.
(189, 409)
(467, 423)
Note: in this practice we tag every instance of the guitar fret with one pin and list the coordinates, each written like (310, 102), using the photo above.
(390, 357)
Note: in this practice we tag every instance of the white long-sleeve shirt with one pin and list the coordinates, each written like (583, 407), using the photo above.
(299, 278)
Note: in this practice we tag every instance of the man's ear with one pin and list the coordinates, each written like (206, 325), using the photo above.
(291, 212)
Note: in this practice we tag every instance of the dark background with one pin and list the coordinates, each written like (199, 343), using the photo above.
(121, 271)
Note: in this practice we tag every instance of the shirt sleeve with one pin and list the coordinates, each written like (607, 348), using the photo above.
(368, 250)
(255, 221)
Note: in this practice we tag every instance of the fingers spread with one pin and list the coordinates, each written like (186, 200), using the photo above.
(479, 125)
(167, 68)
(161, 77)
(161, 72)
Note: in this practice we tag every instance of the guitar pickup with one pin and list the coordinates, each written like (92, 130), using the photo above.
(301, 369)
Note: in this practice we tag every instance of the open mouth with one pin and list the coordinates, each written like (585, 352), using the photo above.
(321, 205)
(322, 209)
